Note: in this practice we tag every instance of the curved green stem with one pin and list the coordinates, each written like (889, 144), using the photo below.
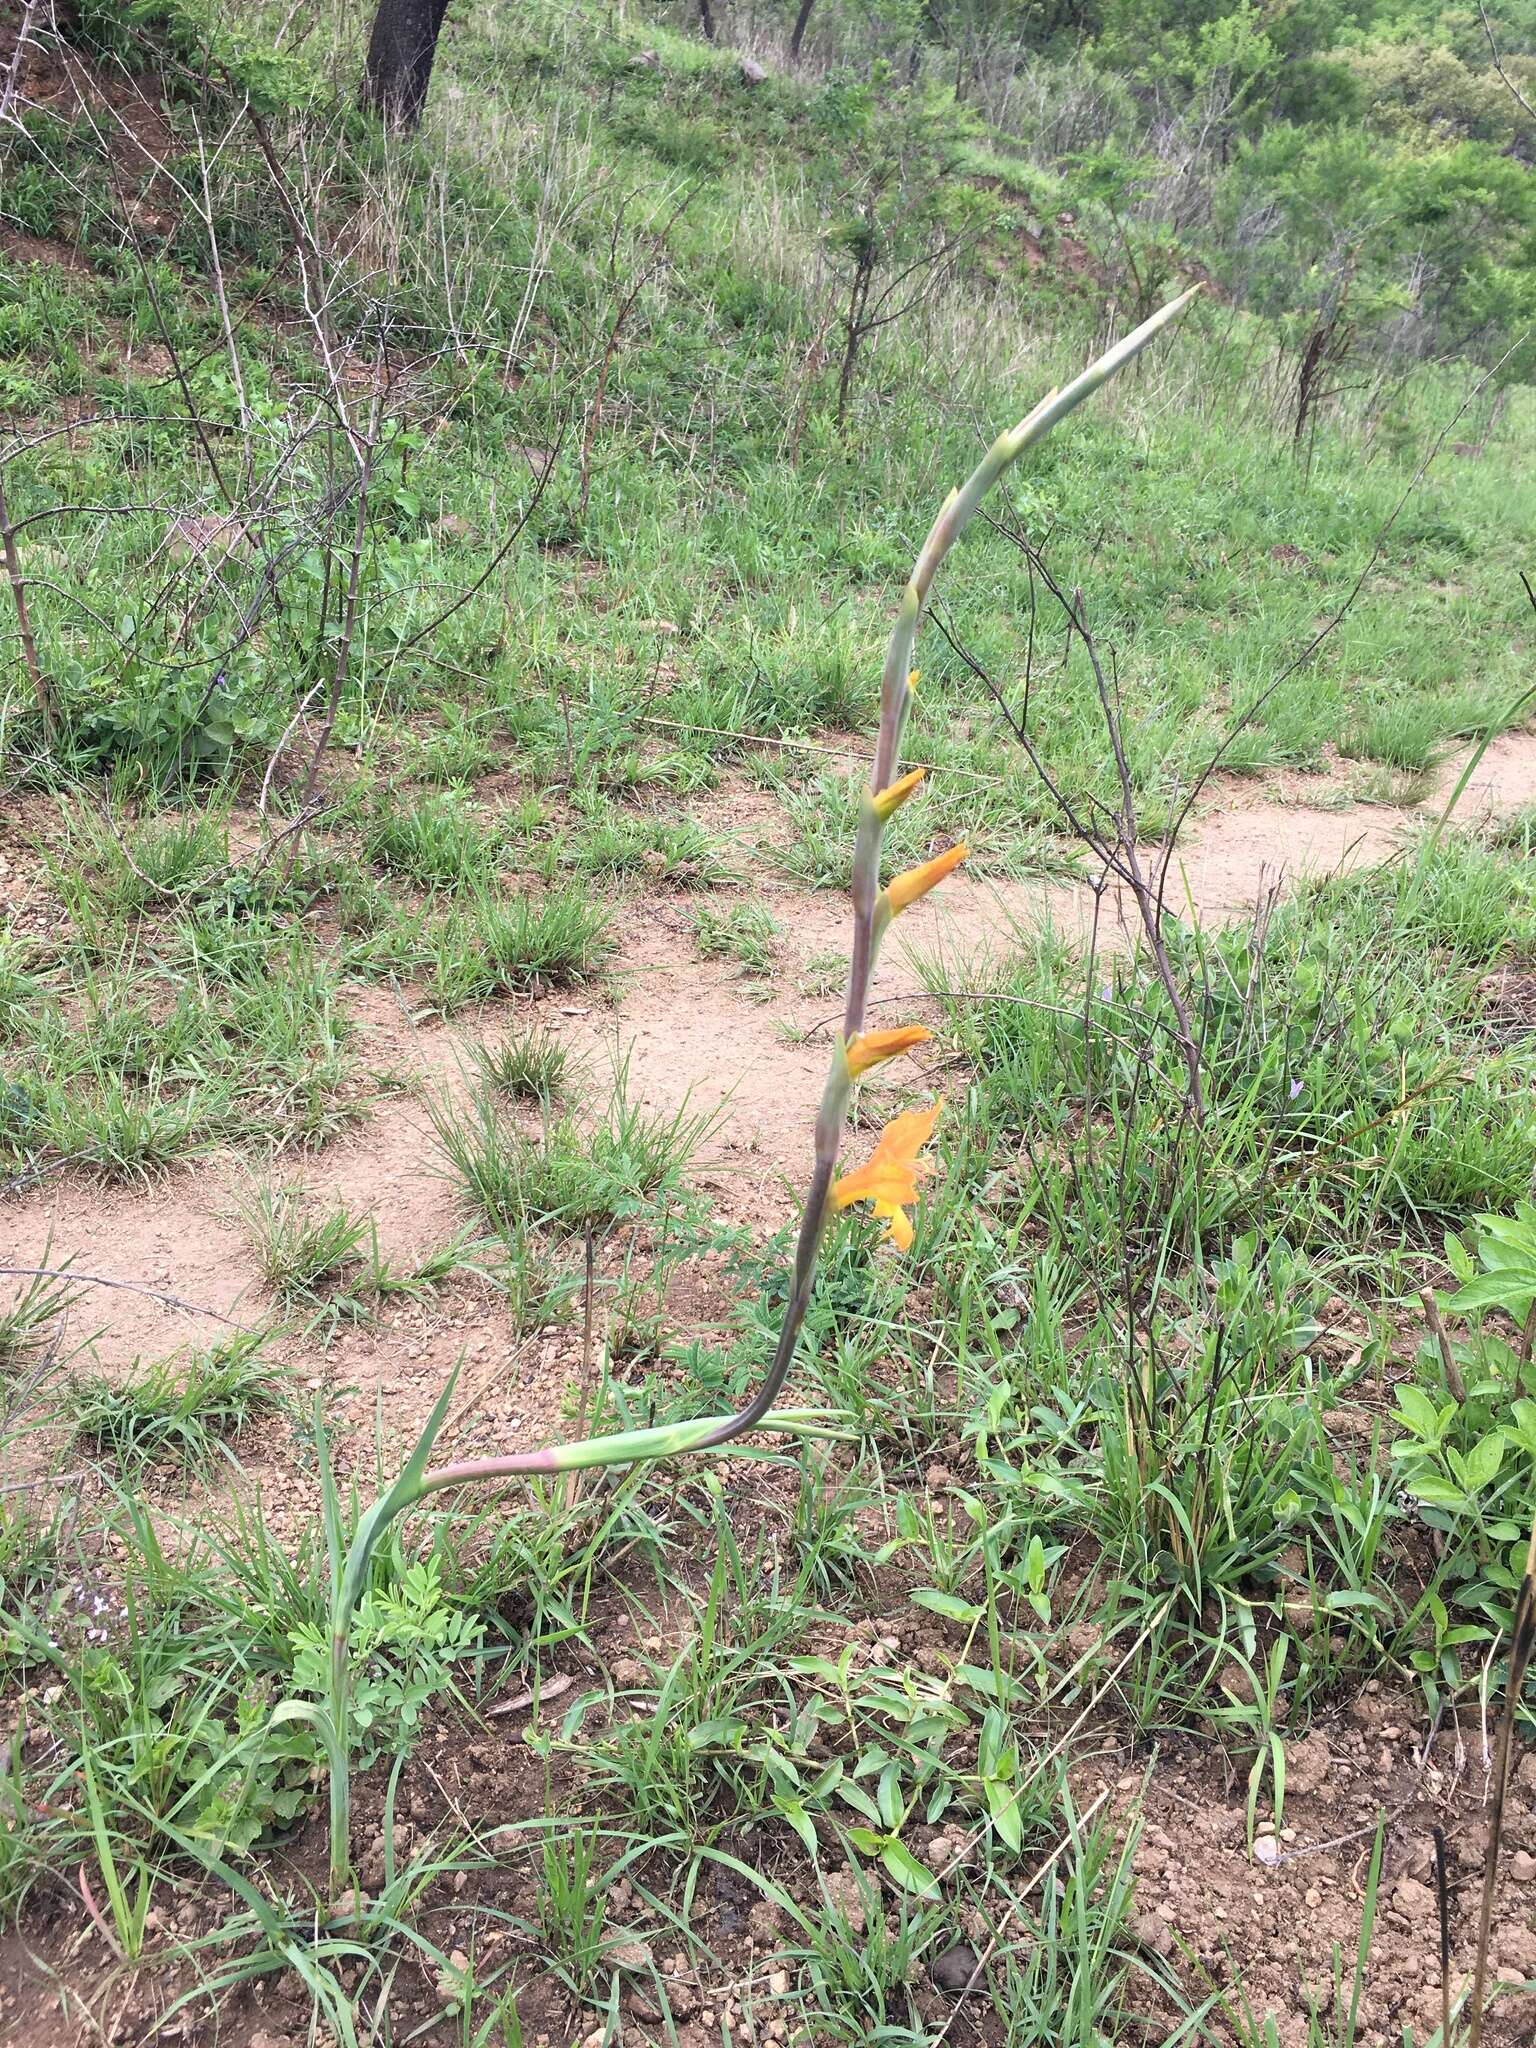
(871, 917)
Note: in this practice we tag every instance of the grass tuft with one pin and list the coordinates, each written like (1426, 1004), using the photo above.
(566, 1177)
(188, 1408)
(532, 1066)
(300, 1255)
(518, 946)
(32, 1321)
(745, 932)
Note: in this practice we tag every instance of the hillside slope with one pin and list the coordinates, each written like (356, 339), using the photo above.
(447, 580)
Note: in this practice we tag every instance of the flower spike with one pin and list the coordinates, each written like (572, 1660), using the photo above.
(888, 1180)
(871, 1047)
(916, 882)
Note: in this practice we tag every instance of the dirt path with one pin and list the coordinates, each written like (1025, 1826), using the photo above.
(692, 1032)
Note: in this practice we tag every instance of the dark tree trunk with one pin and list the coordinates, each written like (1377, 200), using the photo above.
(853, 324)
(802, 21)
(400, 54)
(1308, 378)
(707, 20)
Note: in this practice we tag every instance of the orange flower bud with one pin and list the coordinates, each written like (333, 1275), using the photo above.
(871, 1047)
(895, 794)
(916, 882)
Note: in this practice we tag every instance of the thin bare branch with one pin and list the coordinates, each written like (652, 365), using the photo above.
(42, 689)
(67, 1272)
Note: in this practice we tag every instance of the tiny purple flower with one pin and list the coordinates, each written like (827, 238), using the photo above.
(1296, 1088)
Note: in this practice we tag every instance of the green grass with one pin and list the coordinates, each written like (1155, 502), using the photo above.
(611, 844)
(215, 1024)
(187, 1408)
(33, 1319)
(565, 1176)
(1157, 1387)
(496, 946)
(437, 842)
(114, 865)
(324, 1262)
(300, 1253)
(531, 1066)
(744, 932)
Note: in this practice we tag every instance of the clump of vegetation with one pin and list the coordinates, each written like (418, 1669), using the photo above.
(438, 842)
(663, 849)
(189, 1407)
(32, 1321)
(513, 946)
(566, 1176)
(744, 932)
(300, 1253)
(530, 1066)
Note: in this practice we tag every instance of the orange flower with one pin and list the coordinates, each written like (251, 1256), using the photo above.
(895, 794)
(888, 1178)
(916, 882)
(871, 1047)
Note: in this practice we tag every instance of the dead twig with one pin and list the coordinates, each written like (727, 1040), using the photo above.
(497, 559)
(584, 1397)
(1522, 1635)
(1041, 1871)
(1523, 1353)
(42, 689)
(1453, 1379)
(235, 370)
(1498, 64)
(191, 1308)
(369, 455)
(1110, 833)
(659, 256)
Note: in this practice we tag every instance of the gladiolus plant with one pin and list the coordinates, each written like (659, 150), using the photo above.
(888, 1180)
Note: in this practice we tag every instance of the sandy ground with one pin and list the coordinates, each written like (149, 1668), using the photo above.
(692, 1033)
